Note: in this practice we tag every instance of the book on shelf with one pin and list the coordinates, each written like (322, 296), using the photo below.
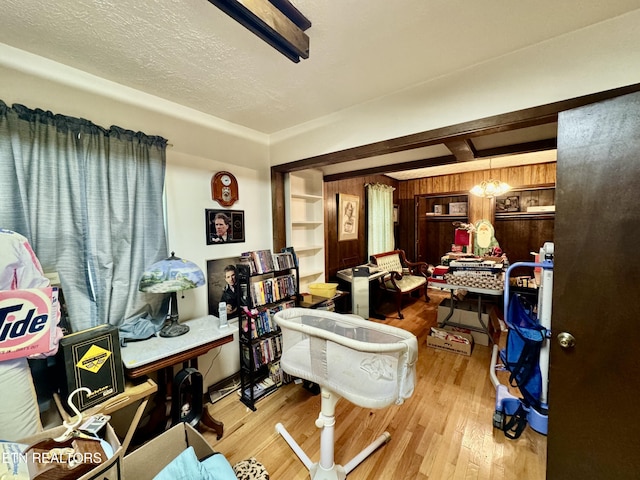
(261, 320)
(261, 352)
(293, 254)
(271, 290)
(263, 261)
(260, 260)
(283, 261)
(260, 388)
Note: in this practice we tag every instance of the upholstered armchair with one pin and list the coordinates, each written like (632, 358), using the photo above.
(403, 277)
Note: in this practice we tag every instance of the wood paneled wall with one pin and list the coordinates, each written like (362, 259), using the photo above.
(353, 252)
(479, 208)
(348, 253)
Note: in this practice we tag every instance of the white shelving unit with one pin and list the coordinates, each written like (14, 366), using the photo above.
(304, 214)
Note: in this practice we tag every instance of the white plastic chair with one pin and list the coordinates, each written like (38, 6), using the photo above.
(369, 364)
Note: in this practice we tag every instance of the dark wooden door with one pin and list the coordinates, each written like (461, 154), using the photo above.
(594, 387)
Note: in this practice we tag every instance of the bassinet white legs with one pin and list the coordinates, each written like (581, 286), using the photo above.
(326, 469)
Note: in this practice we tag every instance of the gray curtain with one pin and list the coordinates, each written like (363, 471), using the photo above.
(90, 202)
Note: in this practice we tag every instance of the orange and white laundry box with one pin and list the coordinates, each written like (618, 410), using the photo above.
(28, 319)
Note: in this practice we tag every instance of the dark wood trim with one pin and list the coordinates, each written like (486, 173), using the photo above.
(498, 123)
(527, 147)
(463, 150)
(396, 167)
(278, 209)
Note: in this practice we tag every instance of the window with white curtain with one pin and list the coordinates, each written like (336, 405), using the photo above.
(379, 218)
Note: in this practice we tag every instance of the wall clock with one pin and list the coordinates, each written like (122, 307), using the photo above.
(224, 189)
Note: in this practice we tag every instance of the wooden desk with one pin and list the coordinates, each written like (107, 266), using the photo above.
(138, 392)
(161, 354)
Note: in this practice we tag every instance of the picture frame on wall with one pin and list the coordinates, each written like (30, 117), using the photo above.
(396, 214)
(224, 226)
(348, 217)
(221, 284)
(508, 204)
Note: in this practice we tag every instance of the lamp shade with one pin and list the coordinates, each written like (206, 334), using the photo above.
(172, 274)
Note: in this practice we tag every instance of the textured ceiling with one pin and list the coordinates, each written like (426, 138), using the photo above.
(193, 54)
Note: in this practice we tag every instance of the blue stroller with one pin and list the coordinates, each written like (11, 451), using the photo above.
(526, 355)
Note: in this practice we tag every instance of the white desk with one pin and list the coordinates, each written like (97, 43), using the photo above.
(480, 291)
(361, 295)
(374, 273)
(160, 354)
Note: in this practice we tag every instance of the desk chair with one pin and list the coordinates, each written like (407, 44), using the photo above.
(369, 364)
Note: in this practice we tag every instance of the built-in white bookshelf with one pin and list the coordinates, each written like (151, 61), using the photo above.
(305, 223)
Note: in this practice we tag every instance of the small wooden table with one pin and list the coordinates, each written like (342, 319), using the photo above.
(161, 354)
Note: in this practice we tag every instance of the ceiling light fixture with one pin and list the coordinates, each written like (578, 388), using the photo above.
(277, 22)
(490, 188)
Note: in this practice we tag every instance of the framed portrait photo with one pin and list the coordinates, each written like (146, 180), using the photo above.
(222, 284)
(224, 226)
(348, 217)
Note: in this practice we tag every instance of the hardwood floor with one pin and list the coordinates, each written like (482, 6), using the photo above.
(443, 431)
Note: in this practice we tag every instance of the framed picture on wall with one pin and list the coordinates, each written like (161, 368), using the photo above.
(508, 204)
(348, 213)
(222, 284)
(224, 226)
(396, 214)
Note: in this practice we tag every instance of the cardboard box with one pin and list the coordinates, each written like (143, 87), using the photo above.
(91, 358)
(455, 347)
(109, 469)
(148, 460)
(470, 318)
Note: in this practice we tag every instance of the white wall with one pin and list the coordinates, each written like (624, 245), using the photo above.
(201, 146)
(597, 58)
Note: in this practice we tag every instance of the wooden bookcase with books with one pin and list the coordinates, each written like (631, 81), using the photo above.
(268, 283)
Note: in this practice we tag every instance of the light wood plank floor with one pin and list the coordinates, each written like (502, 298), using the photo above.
(444, 431)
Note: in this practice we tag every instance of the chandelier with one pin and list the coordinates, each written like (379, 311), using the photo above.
(490, 188)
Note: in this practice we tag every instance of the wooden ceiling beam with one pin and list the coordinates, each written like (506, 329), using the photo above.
(395, 167)
(499, 123)
(274, 22)
(526, 147)
(462, 149)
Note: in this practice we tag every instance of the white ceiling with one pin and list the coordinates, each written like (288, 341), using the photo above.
(192, 53)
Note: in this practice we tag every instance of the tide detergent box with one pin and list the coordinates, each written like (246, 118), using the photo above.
(28, 318)
(91, 359)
